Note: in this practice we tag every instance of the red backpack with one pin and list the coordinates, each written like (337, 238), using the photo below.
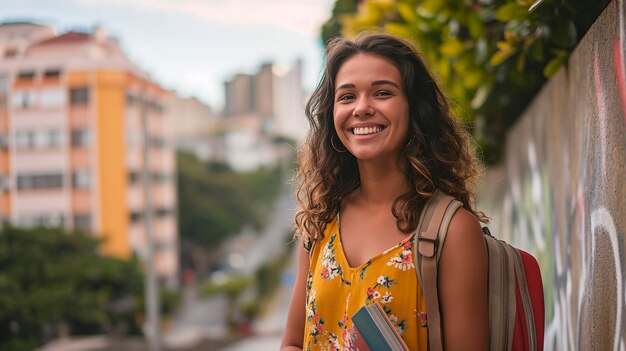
(516, 306)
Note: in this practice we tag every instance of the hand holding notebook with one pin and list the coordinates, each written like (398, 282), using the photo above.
(375, 331)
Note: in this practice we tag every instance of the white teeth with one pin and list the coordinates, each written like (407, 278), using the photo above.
(366, 130)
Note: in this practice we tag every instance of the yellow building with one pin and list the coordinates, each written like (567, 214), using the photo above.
(74, 114)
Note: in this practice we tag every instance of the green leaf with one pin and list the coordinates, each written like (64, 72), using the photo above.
(511, 11)
(472, 78)
(452, 48)
(443, 69)
(553, 66)
(429, 8)
(407, 12)
(398, 29)
(521, 60)
(475, 25)
(506, 45)
(500, 56)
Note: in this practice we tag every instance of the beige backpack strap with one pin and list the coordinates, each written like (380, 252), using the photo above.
(435, 217)
(502, 303)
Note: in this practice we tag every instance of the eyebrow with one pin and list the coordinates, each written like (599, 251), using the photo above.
(374, 83)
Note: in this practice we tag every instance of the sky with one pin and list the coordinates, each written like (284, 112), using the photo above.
(193, 46)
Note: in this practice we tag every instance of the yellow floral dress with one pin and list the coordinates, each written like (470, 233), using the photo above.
(335, 291)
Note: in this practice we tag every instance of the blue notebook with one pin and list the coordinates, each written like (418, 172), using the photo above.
(376, 330)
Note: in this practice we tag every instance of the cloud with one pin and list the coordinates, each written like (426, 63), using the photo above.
(298, 15)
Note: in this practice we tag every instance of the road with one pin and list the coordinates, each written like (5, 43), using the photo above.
(202, 318)
(272, 241)
(269, 328)
(199, 319)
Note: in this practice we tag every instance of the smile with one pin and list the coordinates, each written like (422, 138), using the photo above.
(366, 130)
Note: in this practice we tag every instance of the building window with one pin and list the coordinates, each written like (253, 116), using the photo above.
(42, 220)
(4, 89)
(24, 139)
(49, 139)
(82, 221)
(164, 246)
(52, 97)
(40, 181)
(23, 99)
(136, 216)
(4, 141)
(10, 52)
(134, 177)
(81, 179)
(80, 137)
(55, 138)
(134, 138)
(131, 100)
(52, 73)
(161, 177)
(26, 75)
(157, 142)
(155, 107)
(79, 96)
(4, 84)
(51, 220)
(5, 182)
(163, 212)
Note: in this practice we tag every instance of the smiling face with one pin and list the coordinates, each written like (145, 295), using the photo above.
(371, 111)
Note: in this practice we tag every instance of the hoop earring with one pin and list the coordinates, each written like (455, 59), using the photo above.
(333, 145)
(406, 147)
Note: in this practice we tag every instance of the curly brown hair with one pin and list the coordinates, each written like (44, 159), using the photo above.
(438, 150)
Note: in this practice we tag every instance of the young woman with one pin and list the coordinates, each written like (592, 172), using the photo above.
(382, 141)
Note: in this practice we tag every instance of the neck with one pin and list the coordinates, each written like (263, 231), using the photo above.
(381, 183)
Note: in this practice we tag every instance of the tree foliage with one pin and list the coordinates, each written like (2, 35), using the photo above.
(215, 202)
(491, 56)
(52, 280)
(332, 27)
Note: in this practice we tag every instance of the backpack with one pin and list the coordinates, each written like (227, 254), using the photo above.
(516, 306)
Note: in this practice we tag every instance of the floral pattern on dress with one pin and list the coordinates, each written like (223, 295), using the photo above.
(400, 325)
(309, 283)
(423, 319)
(342, 290)
(333, 343)
(348, 335)
(374, 294)
(386, 298)
(364, 269)
(330, 267)
(316, 322)
(403, 261)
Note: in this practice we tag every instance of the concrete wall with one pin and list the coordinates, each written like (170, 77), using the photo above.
(561, 191)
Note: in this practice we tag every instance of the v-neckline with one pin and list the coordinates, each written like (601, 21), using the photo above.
(371, 259)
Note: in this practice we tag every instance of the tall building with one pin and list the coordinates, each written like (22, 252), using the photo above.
(273, 95)
(259, 108)
(240, 95)
(289, 101)
(74, 114)
(192, 122)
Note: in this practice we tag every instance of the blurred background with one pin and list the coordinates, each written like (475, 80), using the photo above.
(146, 148)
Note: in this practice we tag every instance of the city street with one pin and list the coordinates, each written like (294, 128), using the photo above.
(204, 318)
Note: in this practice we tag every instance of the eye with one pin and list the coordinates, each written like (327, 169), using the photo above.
(346, 97)
(383, 93)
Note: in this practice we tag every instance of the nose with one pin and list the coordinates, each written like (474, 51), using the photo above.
(363, 108)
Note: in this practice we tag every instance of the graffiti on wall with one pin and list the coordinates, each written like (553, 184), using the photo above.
(561, 193)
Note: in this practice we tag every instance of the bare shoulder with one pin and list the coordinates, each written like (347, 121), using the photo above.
(464, 252)
(463, 285)
(464, 234)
